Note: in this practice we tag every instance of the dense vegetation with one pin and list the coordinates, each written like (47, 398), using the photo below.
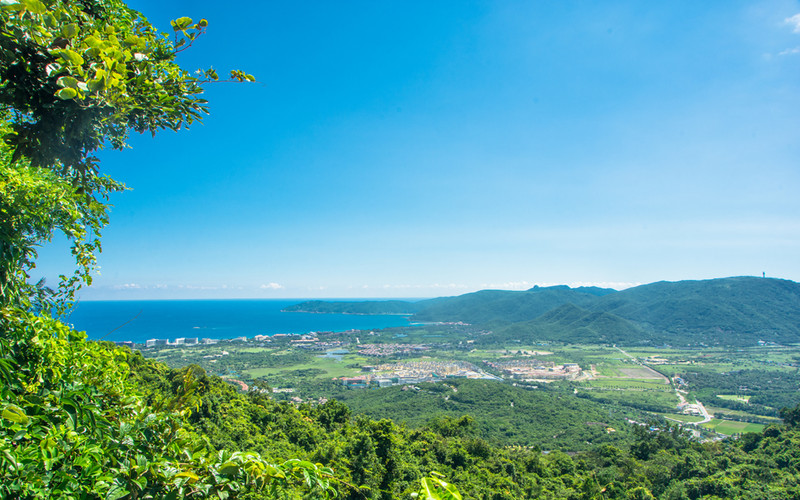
(572, 324)
(765, 391)
(500, 413)
(386, 459)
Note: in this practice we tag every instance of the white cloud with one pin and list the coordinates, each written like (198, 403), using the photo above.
(198, 287)
(127, 286)
(795, 22)
(271, 286)
(509, 285)
(787, 52)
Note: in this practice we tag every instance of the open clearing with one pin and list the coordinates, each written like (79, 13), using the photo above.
(687, 419)
(730, 427)
(730, 397)
(643, 372)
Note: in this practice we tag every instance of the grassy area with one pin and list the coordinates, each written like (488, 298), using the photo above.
(731, 397)
(623, 383)
(688, 419)
(330, 366)
(730, 427)
(714, 410)
(651, 400)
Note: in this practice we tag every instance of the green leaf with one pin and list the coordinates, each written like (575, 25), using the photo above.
(12, 5)
(67, 82)
(229, 468)
(34, 6)
(69, 30)
(96, 84)
(66, 93)
(181, 23)
(71, 57)
(191, 475)
(117, 491)
(15, 414)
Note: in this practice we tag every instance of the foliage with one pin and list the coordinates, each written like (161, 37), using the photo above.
(791, 416)
(381, 459)
(769, 389)
(34, 203)
(499, 413)
(72, 425)
(436, 488)
(74, 76)
(78, 75)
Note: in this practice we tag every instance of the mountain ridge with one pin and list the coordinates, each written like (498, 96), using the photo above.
(740, 310)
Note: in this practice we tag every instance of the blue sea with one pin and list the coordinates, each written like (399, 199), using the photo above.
(140, 320)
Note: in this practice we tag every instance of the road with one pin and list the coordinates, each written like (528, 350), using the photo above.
(697, 406)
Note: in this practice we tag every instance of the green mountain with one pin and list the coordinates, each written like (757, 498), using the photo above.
(725, 311)
(730, 311)
(570, 323)
(500, 306)
(362, 307)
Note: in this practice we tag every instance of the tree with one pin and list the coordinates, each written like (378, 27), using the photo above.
(791, 416)
(75, 76)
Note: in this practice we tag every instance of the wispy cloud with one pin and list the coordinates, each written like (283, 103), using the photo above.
(787, 52)
(127, 286)
(271, 286)
(509, 285)
(795, 22)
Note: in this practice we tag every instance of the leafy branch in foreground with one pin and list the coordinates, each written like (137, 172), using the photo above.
(71, 425)
(436, 488)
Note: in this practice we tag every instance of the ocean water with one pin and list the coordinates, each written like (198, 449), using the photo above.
(140, 320)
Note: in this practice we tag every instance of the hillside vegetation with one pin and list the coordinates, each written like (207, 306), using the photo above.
(736, 311)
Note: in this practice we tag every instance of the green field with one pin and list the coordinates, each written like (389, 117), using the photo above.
(330, 366)
(688, 419)
(731, 397)
(714, 410)
(730, 427)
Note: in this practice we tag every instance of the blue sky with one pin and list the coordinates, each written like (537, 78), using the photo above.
(415, 149)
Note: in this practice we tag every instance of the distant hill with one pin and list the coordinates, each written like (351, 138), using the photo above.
(501, 306)
(593, 290)
(731, 311)
(363, 307)
(724, 311)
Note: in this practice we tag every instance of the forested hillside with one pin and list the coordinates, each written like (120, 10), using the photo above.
(732, 311)
(386, 459)
(570, 323)
(735, 311)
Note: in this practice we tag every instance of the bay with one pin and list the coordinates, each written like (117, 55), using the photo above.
(140, 320)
